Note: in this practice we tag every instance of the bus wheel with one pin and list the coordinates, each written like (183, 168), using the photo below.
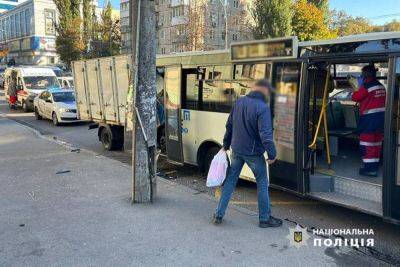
(209, 157)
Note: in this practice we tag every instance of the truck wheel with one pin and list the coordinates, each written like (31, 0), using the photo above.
(209, 157)
(37, 115)
(55, 119)
(106, 138)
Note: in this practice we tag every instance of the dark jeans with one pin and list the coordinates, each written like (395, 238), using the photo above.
(259, 168)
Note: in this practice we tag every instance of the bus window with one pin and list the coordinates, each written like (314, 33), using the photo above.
(252, 71)
(222, 72)
(218, 96)
(192, 93)
(286, 81)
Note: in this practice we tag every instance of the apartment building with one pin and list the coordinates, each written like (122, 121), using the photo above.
(188, 25)
(125, 27)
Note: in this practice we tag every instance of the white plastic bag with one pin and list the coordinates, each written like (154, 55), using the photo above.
(217, 173)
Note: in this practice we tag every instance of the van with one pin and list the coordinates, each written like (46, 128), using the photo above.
(29, 82)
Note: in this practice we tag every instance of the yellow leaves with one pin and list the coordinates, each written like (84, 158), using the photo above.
(308, 22)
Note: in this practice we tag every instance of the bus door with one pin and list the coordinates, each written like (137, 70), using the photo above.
(391, 181)
(286, 80)
(173, 126)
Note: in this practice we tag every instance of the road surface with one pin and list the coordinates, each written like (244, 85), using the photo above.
(308, 213)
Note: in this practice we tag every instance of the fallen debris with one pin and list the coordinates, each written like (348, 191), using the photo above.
(62, 172)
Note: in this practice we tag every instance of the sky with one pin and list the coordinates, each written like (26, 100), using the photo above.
(377, 11)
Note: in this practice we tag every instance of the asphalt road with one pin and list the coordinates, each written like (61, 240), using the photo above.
(308, 213)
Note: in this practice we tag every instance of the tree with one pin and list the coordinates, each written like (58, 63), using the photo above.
(69, 43)
(195, 29)
(392, 26)
(348, 25)
(308, 22)
(272, 18)
(323, 5)
(88, 21)
(107, 35)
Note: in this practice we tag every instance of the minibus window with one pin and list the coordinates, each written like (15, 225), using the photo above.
(252, 71)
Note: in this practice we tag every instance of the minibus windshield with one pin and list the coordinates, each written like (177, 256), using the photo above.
(41, 82)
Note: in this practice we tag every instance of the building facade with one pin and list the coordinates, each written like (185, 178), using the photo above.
(193, 25)
(6, 5)
(125, 27)
(28, 34)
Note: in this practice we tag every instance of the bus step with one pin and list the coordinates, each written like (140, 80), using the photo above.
(321, 183)
(358, 188)
(367, 206)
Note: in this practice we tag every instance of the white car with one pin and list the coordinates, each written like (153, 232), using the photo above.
(58, 105)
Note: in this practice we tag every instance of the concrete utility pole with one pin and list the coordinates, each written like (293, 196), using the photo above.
(144, 136)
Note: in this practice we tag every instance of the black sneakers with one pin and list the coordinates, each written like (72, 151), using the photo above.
(364, 172)
(272, 222)
(216, 220)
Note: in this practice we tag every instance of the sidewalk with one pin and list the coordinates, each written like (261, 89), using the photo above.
(82, 216)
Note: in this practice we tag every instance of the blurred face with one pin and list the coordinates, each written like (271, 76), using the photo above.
(264, 90)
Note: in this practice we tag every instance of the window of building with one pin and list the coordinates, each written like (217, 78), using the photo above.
(178, 11)
(236, 3)
(7, 32)
(234, 36)
(28, 22)
(211, 34)
(22, 23)
(12, 28)
(17, 26)
(2, 35)
(50, 22)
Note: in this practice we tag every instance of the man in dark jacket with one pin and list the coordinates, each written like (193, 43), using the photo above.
(249, 133)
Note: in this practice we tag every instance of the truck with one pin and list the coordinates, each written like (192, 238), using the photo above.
(101, 89)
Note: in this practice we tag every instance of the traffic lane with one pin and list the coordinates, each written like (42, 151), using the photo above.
(309, 213)
(77, 134)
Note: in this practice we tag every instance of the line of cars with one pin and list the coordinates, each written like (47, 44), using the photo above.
(46, 91)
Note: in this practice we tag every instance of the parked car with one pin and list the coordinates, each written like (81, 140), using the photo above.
(57, 105)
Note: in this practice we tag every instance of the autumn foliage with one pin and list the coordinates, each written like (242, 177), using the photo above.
(308, 22)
